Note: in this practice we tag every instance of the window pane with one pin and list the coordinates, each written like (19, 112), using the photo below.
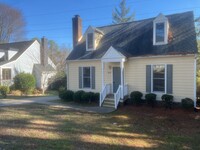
(6, 74)
(159, 78)
(90, 40)
(159, 71)
(86, 71)
(159, 85)
(86, 83)
(160, 32)
(86, 77)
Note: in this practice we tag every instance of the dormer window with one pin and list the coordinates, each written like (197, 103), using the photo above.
(90, 41)
(160, 30)
(93, 37)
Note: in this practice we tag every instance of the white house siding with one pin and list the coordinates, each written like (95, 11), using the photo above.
(26, 61)
(135, 74)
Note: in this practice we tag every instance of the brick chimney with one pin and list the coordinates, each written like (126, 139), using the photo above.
(77, 29)
(43, 51)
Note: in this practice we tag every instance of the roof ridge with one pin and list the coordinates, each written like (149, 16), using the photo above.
(169, 15)
(17, 42)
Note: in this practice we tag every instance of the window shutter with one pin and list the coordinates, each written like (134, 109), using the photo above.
(169, 79)
(148, 78)
(93, 77)
(80, 78)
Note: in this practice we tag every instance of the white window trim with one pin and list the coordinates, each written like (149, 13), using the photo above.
(166, 31)
(90, 78)
(165, 90)
(90, 49)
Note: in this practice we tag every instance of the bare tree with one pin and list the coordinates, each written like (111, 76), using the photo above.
(12, 24)
(58, 55)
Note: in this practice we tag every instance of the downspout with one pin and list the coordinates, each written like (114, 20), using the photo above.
(195, 81)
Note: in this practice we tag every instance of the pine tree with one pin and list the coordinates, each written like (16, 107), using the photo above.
(121, 15)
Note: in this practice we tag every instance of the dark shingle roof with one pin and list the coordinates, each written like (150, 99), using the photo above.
(136, 39)
(20, 47)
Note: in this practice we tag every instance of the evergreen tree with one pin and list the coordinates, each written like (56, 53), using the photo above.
(121, 15)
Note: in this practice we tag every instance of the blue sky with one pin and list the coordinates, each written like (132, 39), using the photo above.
(52, 18)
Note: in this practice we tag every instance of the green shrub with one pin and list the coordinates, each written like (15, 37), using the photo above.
(151, 99)
(96, 97)
(168, 100)
(86, 97)
(78, 96)
(136, 97)
(61, 89)
(4, 91)
(187, 103)
(24, 82)
(66, 95)
(12, 87)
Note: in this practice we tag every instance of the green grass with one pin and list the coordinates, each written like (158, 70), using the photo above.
(43, 127)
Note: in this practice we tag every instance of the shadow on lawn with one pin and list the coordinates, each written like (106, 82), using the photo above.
(44, 127)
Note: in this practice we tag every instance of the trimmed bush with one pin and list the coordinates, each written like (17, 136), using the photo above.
(96, 97)
(4, 91)
(151, 99)
(168, 100)
(78, 96)
(136, 97)
(86, 97)
(24, 82)
(66, 95)
(187, 103)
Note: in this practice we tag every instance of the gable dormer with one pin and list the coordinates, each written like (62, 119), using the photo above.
(160, 30)
(93, 37)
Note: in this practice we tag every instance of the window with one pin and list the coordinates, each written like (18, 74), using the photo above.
(6, 74)
(90, 41)
(160, 32)
(158, 78)
(86, 77)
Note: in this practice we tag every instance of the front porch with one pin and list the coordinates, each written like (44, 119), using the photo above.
(114, 88)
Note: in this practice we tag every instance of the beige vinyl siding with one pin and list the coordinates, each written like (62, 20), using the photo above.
(74, 75)
(135, 74)
(183, 75)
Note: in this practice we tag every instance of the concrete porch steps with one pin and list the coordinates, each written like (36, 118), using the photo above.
(109, 101)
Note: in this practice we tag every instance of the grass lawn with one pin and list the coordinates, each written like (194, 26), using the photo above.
(43, 127)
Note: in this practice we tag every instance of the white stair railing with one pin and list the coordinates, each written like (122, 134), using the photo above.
(105, 91)
(117, 96)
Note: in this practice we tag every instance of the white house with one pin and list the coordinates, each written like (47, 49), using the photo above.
(26, 56)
